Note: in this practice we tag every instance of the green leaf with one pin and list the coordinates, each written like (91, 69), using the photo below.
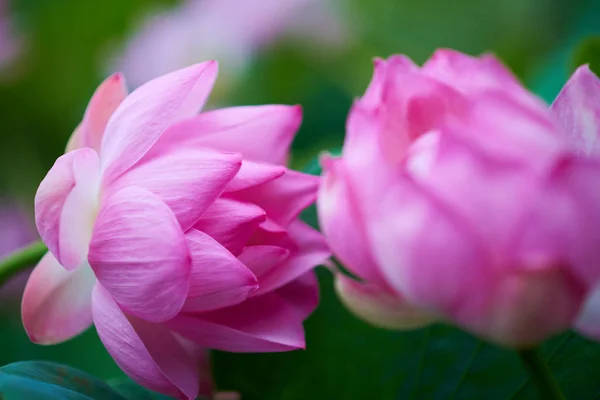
(132, 391)
(588, 52)
(46, 380)
(347, 359)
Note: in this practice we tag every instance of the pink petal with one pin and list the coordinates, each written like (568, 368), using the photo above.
(149, 353)
(565, 222)
(231, 223)
(139, 254)
(311, 251)
(218, 278)
(283, 198)
(261, 259)
(65, 204)
(254, 174)
(187, 180)
(57, 303)
(259, 133)
(269, 323)
(343, 223)
(428, 254)
(470, 74)
(530, 305)
(144, 115)
(378, 306)
(577, 111)
(104, 102)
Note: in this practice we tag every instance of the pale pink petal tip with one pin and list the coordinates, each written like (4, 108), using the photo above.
(56, 304)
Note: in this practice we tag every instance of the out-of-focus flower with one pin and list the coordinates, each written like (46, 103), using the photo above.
(460, 196)
(169, 229)
(231, 31)
(16, 231)
(10, 43)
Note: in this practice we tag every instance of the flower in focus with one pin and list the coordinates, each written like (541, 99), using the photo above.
(460, 196)
(231, 31)
(173, 231)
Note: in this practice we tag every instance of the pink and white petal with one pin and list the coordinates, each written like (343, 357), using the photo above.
(283, 198)
(262, 259)
(311, 251)
(254, 174)
(577, 111)
(342, 222)
(268, 323)
(103, 104)
(187, 180)
(260, 133)
(148, 353)
(56, 304)
(145, 114)
(139, 254)
(218, 279)
(378, 306)
(65, 204)
(231, 222)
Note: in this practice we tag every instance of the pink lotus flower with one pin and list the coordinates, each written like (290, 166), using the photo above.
(460, 196)
(231, 31)
(170, 230)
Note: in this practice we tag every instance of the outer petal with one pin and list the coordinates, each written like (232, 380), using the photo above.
(218, 278)
(149, 353)
(231, 222)
(342, 222)
(311, 251)
(187, 180)
(565, 218)
(144, 115)
(471, 74)
(428, 254)
(259, 133)
(379, 307)
(268, 323)
(577, 110)
(261, 259)
(139, 254)
(57, 303)
(104, 102)
(254, 174)
(65, 206)
(283, 198)
(529, 306)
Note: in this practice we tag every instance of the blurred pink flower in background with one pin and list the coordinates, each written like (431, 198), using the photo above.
(16, 231)
(460, 196)
(174, 231)
(10, 43)
(230, 31)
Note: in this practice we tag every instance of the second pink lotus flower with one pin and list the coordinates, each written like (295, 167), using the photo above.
(460, 196)
(172, 230)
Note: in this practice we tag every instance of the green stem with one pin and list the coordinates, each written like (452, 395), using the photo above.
(21, 260)
(540, 374)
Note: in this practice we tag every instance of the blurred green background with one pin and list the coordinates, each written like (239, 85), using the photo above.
(64, 45)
